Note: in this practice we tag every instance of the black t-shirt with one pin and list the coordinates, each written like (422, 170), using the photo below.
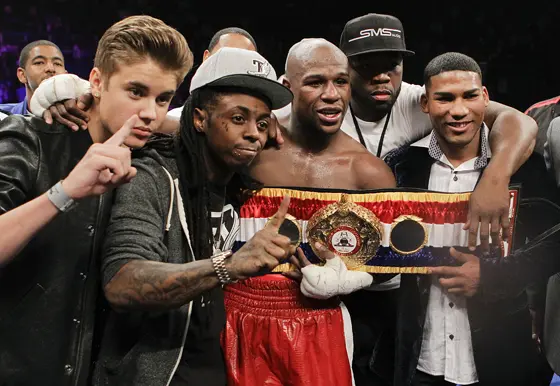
(202, 362)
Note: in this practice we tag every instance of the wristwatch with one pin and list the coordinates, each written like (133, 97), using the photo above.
(60, 199)
(218, 263)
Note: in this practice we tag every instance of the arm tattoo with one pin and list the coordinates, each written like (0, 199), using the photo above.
(148, 285)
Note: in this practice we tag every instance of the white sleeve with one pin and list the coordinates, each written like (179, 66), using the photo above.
(283, 115)
(175, 113)
(418, 123)
(57, 89)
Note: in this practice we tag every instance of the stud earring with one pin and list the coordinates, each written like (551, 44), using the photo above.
(96, 94)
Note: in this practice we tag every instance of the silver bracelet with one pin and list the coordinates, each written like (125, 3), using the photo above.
(218, 263)
(60, 199)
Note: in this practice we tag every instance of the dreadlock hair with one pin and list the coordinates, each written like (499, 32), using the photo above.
(193, 174)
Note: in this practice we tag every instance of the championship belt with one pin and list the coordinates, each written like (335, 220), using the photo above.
(388, 231)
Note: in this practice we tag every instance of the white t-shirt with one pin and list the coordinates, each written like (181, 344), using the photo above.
(407, 123)
(175, 113)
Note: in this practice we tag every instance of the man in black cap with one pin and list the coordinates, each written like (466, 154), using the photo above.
(385, 114)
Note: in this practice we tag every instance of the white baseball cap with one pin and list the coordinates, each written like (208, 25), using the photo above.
(236, 67)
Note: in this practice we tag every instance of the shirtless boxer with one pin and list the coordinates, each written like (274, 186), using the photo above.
(305, 344)
(316, 153)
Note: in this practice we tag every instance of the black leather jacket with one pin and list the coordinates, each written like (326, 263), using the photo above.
(48, 293)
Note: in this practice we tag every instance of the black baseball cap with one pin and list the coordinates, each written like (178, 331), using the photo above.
(373, 32)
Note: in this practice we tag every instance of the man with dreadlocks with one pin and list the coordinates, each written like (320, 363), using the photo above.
(162, 265)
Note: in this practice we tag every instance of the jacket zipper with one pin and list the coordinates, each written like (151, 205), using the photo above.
(93, 253)
(182, 219)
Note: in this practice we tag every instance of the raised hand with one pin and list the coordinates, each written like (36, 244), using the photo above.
(264, 251)
(105, 166)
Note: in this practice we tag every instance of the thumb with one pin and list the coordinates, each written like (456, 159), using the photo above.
(47, 117)
(276, 221)
(459, 256)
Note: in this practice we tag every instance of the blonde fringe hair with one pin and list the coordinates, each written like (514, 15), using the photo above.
(136, 37)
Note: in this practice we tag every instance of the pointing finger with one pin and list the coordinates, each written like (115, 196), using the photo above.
(278, 218)
(449, 283)
(444, 271)
(120, 136)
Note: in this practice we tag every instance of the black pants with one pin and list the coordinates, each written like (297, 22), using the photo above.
(373, 315)
(423, 379)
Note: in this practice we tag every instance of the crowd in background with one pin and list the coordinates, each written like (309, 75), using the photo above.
(512, 44)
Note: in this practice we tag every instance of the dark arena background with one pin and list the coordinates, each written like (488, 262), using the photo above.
(515, 45)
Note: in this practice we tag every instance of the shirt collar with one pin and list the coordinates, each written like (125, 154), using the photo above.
(481, 161)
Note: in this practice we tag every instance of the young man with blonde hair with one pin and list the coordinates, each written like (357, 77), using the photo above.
(53, 207)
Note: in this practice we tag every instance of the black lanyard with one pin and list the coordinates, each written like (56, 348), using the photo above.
(359, 131)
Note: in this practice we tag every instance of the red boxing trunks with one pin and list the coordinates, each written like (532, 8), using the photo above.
(275, 336)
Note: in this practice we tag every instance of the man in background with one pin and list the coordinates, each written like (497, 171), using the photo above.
(39, 60)
(233, 37)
